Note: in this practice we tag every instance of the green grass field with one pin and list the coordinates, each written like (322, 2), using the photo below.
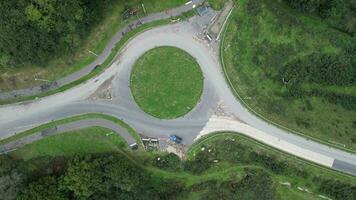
(166, 82)
(259, 46)
(83, 141)
(96, 40)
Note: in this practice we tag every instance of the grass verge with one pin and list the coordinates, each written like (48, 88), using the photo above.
(132, 132)
(82, 141)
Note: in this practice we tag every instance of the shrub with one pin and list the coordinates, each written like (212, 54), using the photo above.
(337, 189)
(168, 161)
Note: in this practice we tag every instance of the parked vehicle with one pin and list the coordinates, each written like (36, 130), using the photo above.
(175, 138)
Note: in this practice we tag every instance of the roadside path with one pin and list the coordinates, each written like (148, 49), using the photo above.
(72, 126)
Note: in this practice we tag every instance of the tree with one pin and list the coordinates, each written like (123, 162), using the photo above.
(45, 188)
(83, 177)
(90, 175)
(35, 31)
(11, 180)
(339, 14)
(120, 173)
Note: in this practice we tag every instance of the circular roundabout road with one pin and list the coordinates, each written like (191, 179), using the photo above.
(218, 109)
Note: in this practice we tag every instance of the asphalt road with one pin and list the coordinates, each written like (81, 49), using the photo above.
(20, 117)
(75, 125)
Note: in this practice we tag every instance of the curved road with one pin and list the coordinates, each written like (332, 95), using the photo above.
(103, 56)
(204, 118)
(75, 125)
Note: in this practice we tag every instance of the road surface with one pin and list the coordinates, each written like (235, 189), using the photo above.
(75, 125)
(218, 109)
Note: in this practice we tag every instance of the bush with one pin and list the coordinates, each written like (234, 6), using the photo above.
(168, 161)
(346, 101)
(198, 165)
(340, 14)
(277, 166)
(11, 180)
(337, 189)
(256, 184)
(320, 68)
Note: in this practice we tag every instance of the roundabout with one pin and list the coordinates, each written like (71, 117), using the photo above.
(218, 109)
(166, 82)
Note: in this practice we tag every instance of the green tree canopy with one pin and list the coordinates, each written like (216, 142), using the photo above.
(11, 180)
(33, 31)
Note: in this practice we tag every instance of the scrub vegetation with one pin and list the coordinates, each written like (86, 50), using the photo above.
(166, 82)
(293, 62)
(222, 166)
(287, 173)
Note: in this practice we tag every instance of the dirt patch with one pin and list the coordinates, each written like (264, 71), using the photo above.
(104, 91)
(216, 27)
(222, 111)
(177, 149)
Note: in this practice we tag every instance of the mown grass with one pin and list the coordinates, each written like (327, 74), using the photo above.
(83, 141)
(96, 40)
(52, 124)
(257, 42)
(166, 82)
